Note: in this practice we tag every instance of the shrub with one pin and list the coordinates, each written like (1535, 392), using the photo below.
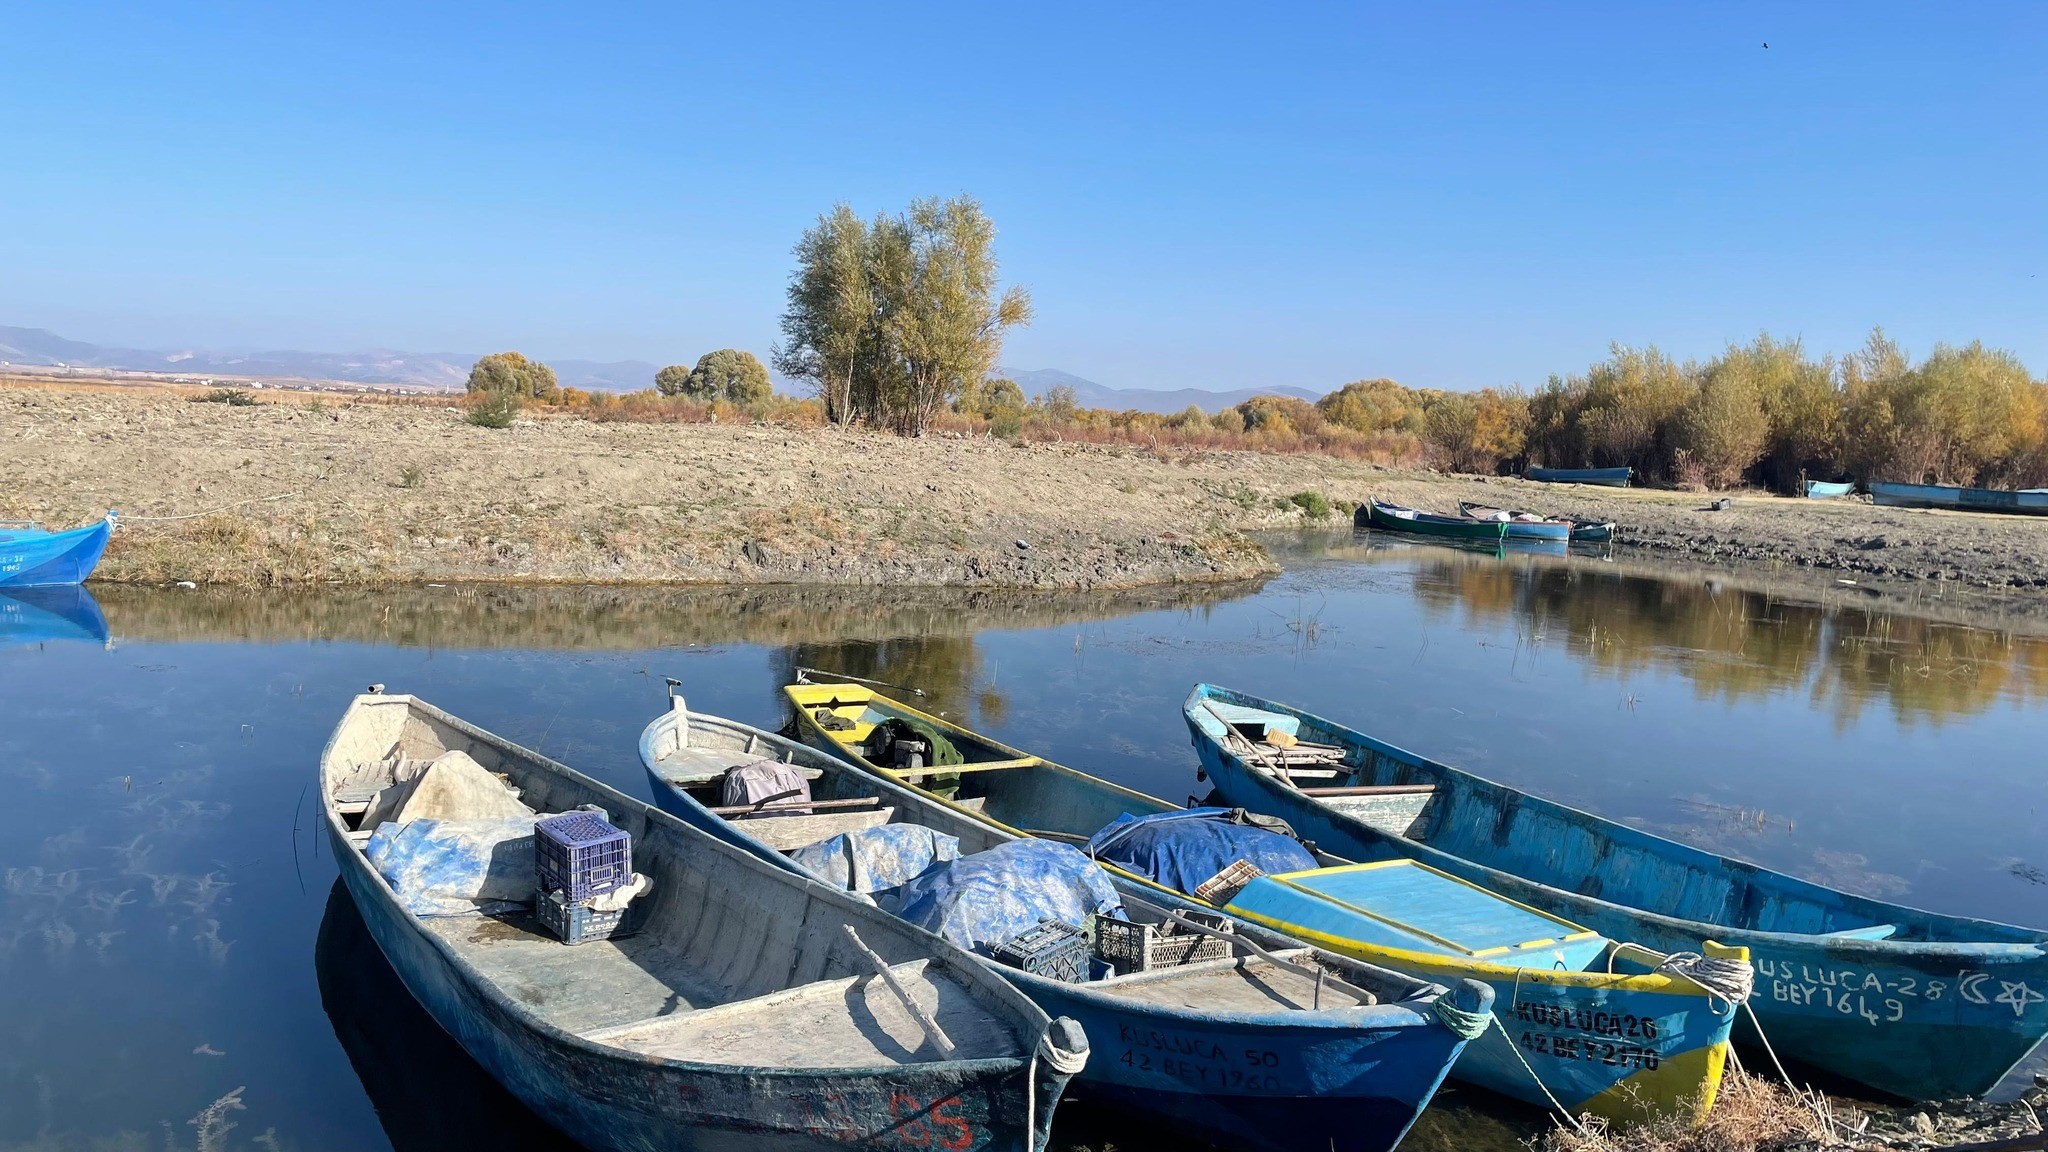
(1315, 504)
(728, 374)
(1723, 427)
(233, 397)
(494, 409)
(512, 373)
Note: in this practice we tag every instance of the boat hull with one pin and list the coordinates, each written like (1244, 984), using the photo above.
(38, 559)
(1822, 490)
(1959, 499)
(1375, 515)
(1607, 477)
(1916, 1019)
(1268, 1081)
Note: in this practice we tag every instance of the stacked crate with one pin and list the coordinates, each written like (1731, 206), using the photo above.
(579, 856)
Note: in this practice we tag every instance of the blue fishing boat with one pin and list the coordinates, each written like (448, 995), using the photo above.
(1591, 1024)
(2032, 502)
(1610, 477)
(1240, 1045)
(752, 1009)
(41, 614)
(1912, 1003)
(32, 556)
(1825, 490)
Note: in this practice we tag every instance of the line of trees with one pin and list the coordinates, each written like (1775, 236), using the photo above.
(894, 319)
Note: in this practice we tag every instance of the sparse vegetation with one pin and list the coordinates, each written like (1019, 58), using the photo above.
(493, 409)
(233, 397)
(411, 476)
(1314, 504)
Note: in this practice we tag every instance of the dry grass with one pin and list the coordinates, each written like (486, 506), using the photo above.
(1750, 1115)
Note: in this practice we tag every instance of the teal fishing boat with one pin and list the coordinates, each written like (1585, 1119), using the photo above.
(1394, 518)
(1238, 1042)
(1538, 526)
(1824, 490)
(1609, 477)
(2025, 502)
(1912, 1003)
(1585, 1022)
(753, 1009)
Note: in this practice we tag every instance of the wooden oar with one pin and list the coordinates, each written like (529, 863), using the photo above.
(924, 1019)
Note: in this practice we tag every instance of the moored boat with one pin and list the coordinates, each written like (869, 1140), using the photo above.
(752, 1008)
(1911, 1003)
(1827, 490)
(1595, 1029)
(32, 556)
(1610, 477)
(1395, 518)
(1539, 526)
(1235, 1046)
(2026, 503)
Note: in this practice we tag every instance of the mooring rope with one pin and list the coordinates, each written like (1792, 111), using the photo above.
(1470, 1025)
(1059, 1060)
(213, 511)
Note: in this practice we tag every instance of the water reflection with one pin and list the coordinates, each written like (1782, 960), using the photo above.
(1733, 643)
(40, 615)
(429, 1095)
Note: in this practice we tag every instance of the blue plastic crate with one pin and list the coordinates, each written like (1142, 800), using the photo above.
(576, 922)
(1054, 949)
(580, 855)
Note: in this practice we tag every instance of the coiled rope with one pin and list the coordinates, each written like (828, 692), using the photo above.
(1468, 1025)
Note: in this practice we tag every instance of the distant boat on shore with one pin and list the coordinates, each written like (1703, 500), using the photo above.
(2033, 502)
(32, 556)
(1822, 490)
(1611, 477)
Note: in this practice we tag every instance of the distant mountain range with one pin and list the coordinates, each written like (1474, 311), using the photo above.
(1037, 382)
(40, 347)
(43, 348)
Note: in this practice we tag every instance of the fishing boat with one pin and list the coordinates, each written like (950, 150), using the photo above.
(752, 1009)
(1394, 518)
(1538, 526)
(2026, 503)
(1914, 1004)
(42, 614)
(1825, 490)
(1585, 1023)
(32, 556)
(1240, 1045)
(1609, 477)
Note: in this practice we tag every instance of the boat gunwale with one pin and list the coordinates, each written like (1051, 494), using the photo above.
(1878, 949)
(1399, 957)
(557, 1036)
(1410, 1010)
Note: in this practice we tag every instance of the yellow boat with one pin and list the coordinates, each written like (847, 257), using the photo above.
(1587, 1024)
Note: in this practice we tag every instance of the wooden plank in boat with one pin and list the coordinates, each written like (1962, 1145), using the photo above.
(788, 833)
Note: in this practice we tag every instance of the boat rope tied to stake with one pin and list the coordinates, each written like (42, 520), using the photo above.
(215, 511)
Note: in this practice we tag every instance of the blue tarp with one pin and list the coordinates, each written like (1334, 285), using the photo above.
(452, 867)
(985, 899)
(1183, 849)
(872, 859)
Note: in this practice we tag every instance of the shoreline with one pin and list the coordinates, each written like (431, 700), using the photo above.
(306, 490)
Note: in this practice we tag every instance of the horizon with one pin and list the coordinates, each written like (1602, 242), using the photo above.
(1453, 199)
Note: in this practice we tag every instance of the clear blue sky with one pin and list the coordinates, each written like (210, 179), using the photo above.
(1210, 196)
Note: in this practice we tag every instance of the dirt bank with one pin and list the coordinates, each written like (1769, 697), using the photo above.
(300, 490)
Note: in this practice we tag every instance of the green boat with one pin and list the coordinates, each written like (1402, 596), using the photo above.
(1394, 518)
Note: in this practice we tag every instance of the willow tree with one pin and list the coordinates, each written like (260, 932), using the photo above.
(831, 327)
(893, 319)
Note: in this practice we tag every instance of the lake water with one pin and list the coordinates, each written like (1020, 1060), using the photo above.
(173, 960)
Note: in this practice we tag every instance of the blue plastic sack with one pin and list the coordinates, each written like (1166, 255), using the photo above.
(455, 867)
(985, 899)
(872, 859)
(1183, 849)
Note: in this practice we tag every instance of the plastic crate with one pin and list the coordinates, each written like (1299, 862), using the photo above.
(1054, 949)
(576, 922)
(1144, 947)
(1224, 886)
(580, 855)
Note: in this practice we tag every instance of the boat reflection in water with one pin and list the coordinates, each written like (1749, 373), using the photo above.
(428, 1093)
(58, 612)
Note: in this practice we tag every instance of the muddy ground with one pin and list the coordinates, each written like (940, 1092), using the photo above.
(299, 490)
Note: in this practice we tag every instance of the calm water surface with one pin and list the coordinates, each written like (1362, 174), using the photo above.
(176, 971)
